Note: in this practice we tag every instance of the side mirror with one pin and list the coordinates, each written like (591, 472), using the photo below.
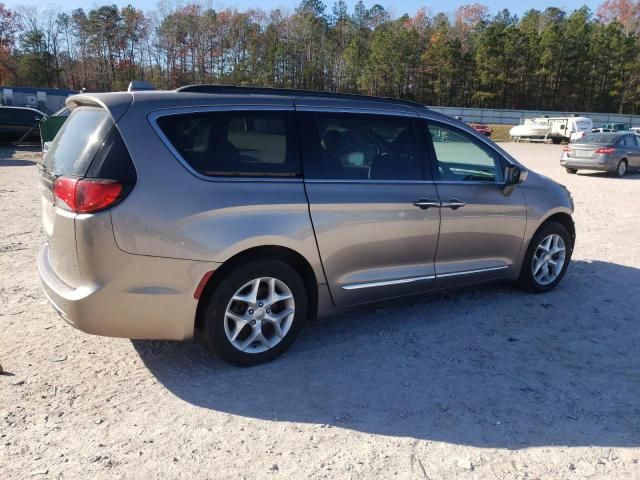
(514, 175)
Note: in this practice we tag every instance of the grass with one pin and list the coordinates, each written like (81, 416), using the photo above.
(500, 132)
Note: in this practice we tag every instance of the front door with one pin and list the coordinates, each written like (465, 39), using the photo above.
(373, 205)
(482, 225)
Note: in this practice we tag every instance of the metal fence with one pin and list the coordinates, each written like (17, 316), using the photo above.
(513, 117)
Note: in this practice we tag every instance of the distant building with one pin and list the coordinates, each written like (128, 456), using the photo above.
(47, 100)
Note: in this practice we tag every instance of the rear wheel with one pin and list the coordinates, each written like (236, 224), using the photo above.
(621, 169)
(256, 312)
(572, 171)
(547, 258)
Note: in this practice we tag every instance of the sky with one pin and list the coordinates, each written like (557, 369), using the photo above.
(396, 7)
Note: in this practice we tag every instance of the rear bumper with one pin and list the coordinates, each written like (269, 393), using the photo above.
(598, 165)
(144, 298)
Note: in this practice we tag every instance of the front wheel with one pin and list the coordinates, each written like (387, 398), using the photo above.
(571, 171)
(256, 312)
(547, 258)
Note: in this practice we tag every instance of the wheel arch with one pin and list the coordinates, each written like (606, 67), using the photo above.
(270, 252)
(564, 219)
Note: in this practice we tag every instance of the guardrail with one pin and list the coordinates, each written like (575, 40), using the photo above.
(513, 117)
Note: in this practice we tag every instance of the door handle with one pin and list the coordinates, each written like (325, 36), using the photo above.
(453, 204)
(425, 203)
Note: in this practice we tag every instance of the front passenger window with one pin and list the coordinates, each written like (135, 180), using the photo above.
(460, 158)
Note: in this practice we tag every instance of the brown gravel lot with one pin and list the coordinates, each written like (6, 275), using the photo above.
(489, 382)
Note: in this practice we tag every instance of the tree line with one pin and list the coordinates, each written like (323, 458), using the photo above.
(551, 59)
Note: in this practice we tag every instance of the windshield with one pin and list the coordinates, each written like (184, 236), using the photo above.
(598, 139)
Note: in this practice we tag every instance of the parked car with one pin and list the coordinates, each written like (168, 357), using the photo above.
(16, 122)
(608, 152)
(482, 129)
(612, 127)
(242, 212)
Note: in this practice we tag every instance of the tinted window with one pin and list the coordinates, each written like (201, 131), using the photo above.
(361, 146)
(19, 116)
(235, 142)
(460, 158)
(27, 117)
(6, 116)
(77, 142)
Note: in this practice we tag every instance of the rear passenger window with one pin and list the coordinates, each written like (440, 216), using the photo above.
(235, 142)
(362, 146)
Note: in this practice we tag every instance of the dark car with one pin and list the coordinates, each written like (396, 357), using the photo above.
(16, 122)
(608, 152)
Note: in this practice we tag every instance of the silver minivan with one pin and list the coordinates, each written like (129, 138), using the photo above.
(243, 212)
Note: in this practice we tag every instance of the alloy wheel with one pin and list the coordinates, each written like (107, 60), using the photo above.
(259, 315)
(548, 259)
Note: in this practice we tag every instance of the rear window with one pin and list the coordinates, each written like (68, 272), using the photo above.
(598, 139)
(77, 142)
(237, 143)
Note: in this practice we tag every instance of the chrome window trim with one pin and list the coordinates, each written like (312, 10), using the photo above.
(154, 115)
(368, 182)
(469, 182)
(383, 283)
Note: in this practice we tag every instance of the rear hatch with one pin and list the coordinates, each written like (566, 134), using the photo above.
(87, 169)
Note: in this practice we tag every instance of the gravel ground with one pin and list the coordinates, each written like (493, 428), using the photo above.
(483, 383)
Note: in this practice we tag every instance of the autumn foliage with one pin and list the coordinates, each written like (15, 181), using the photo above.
(551, 59)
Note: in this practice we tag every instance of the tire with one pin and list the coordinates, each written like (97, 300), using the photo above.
(621, 169)
(528, 279)
(220, 310)
(556, 141)
(571, 171)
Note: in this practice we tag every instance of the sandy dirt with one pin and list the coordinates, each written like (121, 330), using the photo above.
(488, 382)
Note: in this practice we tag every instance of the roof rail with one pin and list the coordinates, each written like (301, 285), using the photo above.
(206, 88)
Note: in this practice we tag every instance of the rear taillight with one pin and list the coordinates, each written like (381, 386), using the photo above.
(567, 149)
(606, 150)
(86, 195)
